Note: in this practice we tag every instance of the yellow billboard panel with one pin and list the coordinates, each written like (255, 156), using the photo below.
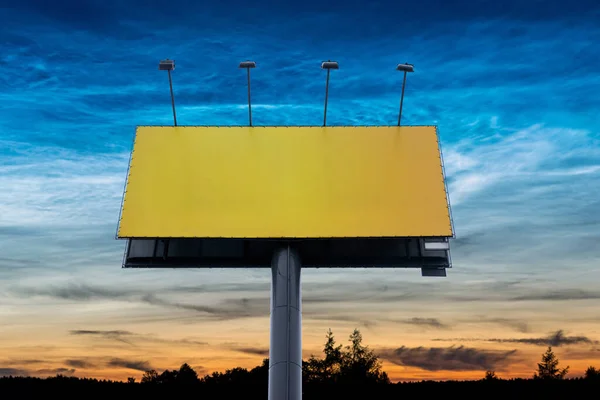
(285, 182)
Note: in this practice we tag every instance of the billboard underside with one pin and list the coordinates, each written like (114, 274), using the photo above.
(285, 182)
(313, 253)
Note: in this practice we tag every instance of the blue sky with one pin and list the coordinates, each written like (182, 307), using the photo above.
(513, 88)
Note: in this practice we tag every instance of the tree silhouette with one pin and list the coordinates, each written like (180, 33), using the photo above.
(355, 364)
(490, 376)
(168, 377)
(548, 368)
(592, 373)
(360, 365)
(150, 376)
(186, 374)
(324, 370)
(131, 380)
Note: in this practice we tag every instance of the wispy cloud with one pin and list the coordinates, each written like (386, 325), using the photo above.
(56, 371)
(259, 351)
(133, 339)
(228, 309)
(450, 359)
(130, 364)
(120, 336)
(560, 295)
(555, 339)
(13, 372)
(82, 364)
(426, 322)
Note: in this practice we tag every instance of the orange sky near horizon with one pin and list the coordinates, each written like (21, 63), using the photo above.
(119, 338)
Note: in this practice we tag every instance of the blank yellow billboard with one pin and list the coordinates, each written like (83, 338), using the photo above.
(285, 182)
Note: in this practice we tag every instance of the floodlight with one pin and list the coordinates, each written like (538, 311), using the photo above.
(327, 65)
(330, 65)
(169, 65)
(406, 67)
(248, 65)
(166, 65)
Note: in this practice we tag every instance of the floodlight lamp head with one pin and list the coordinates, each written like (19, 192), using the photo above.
(247, 64)
(406, 67)
(166, 65)
(330, 65)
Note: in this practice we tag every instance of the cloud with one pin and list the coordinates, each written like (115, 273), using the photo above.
(259, 351)
(134, 339)
(101, 333)
(26, 361)
(228, 309)
(555, 339)
(120, 336)
(449, 359)
(426, 322)
(73, 291)
(13, 372)
(56, 371)
(82, 364)
(130, 364)
(559, 295)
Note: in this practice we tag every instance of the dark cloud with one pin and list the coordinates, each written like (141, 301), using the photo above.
(56, 371)
(560, 295)
(426, 322)
(13, 372)
(137, 365)
(228, 309)
(224, 287)
(26, 362)
(83, 364)
(449, 359)
(117, 335)
(100, 333)
(259, 351)
(74, 291)
(555, 339)
(131, 337)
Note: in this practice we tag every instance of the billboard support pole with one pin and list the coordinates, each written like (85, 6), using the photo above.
(285, 350)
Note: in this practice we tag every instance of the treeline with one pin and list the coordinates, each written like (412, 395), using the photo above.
(353, 370)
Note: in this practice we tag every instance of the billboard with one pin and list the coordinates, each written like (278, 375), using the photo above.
(285, 182)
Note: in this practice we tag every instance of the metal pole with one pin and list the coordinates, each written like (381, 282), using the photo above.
(249, 106)
(172, 98)
(402, 98)
(285, 352)
(326, 95)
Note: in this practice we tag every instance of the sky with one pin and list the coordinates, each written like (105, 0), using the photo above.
(513, 87)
